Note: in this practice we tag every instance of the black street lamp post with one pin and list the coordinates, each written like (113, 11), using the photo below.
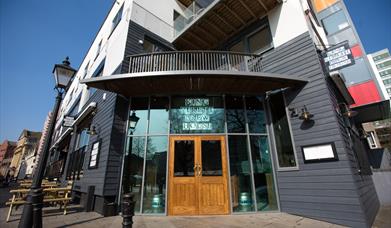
(32, 211)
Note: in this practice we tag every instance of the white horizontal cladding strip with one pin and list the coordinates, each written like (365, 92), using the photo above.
(318, 152)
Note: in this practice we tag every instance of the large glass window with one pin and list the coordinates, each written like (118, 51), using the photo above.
(139, 106)
(236, 122)
(282, 135)
(241, 184)
(263, 174)
(155, 175)
(133, 168)
(335, 22)
(158, 120)
(255, 115)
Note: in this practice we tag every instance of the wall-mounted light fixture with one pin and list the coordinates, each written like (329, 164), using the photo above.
(305, 114)
(92, 130)
(346, 111)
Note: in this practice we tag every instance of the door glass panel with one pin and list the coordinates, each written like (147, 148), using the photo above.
(235, 114)
(184, 158)
(155, 175)
(133, 168)
(211, 158)
(263, 176)
(241, 186)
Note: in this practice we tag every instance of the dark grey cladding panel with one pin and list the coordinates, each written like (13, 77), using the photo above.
(135, 34)
(118, 124)
(114, 162)
(103, 120)
(111, 117)
(331, 191)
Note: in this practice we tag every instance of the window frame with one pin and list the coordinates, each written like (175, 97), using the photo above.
(273, 140)
(116, 21)
(244, 37)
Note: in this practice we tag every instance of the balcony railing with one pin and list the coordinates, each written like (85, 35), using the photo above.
(189, 15)
(195, 61)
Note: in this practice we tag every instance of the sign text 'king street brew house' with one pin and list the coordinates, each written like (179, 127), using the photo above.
(196, 114)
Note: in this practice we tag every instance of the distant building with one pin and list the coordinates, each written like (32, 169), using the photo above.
(26, 145)
(382, 64)
(6, 152)
(42, 141)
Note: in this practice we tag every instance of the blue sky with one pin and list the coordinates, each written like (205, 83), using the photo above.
(36, 34)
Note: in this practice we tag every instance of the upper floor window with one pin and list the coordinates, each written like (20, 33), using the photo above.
(385, 73)
(383, 65)
(75, 109)
(335, 22)
(86, 70)
(382, 56)
(150, 46)
(117, 18)
(83, 138)
(99, 48)
(98, 72)
(256, 42)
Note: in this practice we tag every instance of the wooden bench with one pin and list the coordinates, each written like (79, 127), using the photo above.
(51, 195)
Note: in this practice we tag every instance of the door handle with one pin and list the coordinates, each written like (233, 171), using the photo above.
(199, 170)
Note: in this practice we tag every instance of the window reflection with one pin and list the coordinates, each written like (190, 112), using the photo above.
(263, 176)
(140, 107)
(155, 175)
(241, 186)
(133, 168)
(255, 115)
(158, 120)
(235, 114)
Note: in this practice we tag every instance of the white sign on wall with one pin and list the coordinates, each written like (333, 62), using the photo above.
(324, 152)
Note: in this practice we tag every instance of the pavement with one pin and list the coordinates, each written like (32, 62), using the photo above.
(52, 217)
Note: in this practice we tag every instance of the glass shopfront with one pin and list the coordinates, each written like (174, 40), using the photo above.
(236, 153)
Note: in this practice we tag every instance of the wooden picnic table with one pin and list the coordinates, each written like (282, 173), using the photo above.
(51, 195)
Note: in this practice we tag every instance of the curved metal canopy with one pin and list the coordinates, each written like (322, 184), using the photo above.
(193, 82)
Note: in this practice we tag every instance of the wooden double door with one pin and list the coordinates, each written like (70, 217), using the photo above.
(198, 176)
